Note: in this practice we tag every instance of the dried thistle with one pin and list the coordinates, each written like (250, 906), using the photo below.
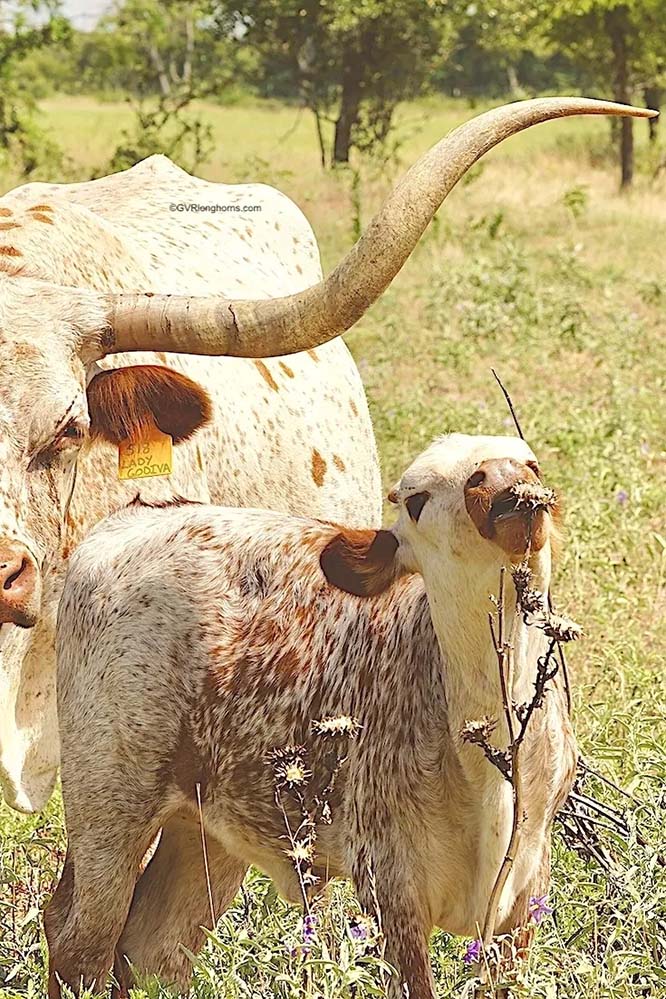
(289, 767)
(479, 731)
(533, 496)
(530, 600)
(562, 629)
(302, 851)
(336, 728)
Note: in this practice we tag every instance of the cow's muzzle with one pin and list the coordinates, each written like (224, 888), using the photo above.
(20, 585)
(493, 501)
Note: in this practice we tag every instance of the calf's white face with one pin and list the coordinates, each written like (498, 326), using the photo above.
(458, 516)
(456, 501)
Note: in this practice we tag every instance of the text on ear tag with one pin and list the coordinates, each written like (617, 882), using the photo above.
(145, 455)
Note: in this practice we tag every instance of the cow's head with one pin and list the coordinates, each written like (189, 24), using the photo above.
(54, 403)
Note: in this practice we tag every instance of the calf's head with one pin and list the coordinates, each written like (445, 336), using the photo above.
(466, 506)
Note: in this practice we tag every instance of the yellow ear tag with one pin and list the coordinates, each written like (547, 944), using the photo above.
(147, 454)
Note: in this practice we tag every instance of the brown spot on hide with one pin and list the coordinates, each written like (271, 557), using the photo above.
(287, 370)
(299, 268)
(124, 400)
(266, 375)
(40, 217)
(10, 251)
(318, 467)
(360, 562)
(313, 356)
(353, 407)
(9, 225)
(40, 208)
(5, 212)
(339, 463)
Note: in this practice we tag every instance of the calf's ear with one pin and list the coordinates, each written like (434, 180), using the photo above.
(364, 563)
(122, 401)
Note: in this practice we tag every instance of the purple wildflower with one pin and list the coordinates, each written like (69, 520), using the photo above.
(358, 932)
(309, 930)
(622, 497)
(472, 952)
(539, 908)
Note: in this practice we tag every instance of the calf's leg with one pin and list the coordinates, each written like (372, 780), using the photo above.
(171, 903)
(404, 920)
(88, 910)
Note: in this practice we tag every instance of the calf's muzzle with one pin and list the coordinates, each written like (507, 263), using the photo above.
(497, 512)
(20, 585)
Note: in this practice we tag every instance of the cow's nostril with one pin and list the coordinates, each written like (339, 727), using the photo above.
(8, 583)
(476, 478)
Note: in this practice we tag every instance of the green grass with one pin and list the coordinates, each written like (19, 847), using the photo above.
(538, 268)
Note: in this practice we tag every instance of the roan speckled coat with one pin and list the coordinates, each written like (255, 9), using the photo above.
(195, 640)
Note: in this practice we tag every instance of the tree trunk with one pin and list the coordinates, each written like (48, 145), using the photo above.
(652, 97)
(617, 26)
(350, 106)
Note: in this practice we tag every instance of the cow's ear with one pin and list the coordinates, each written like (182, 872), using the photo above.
(361, 562)
(122, 401)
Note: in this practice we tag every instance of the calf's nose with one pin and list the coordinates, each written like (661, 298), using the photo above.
(20, 585)
(496, 511)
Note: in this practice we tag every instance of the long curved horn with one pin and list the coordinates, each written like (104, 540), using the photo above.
(265, 328)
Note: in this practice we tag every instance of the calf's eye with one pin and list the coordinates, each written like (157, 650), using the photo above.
(415, 504)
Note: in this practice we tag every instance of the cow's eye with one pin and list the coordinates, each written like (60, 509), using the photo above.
(65, 442)
(72, 432)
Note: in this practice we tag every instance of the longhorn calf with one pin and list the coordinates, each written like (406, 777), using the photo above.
(194, 640)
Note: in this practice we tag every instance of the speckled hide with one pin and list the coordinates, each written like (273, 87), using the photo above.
(196, 640)
(292, 434)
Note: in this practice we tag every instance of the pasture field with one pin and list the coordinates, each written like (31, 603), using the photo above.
(537, 267)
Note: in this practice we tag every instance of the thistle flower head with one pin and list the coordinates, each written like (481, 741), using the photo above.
(363, 929)
(289, 766)
(309, 930)
(539, 908)
(522, 577)
(533, 496)
(562, 629)
(302, 851)
(342, 726)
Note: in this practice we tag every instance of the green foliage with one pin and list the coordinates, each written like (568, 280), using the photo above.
(165, 55)
(348, 61)
(612, 48)
(30, 26)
